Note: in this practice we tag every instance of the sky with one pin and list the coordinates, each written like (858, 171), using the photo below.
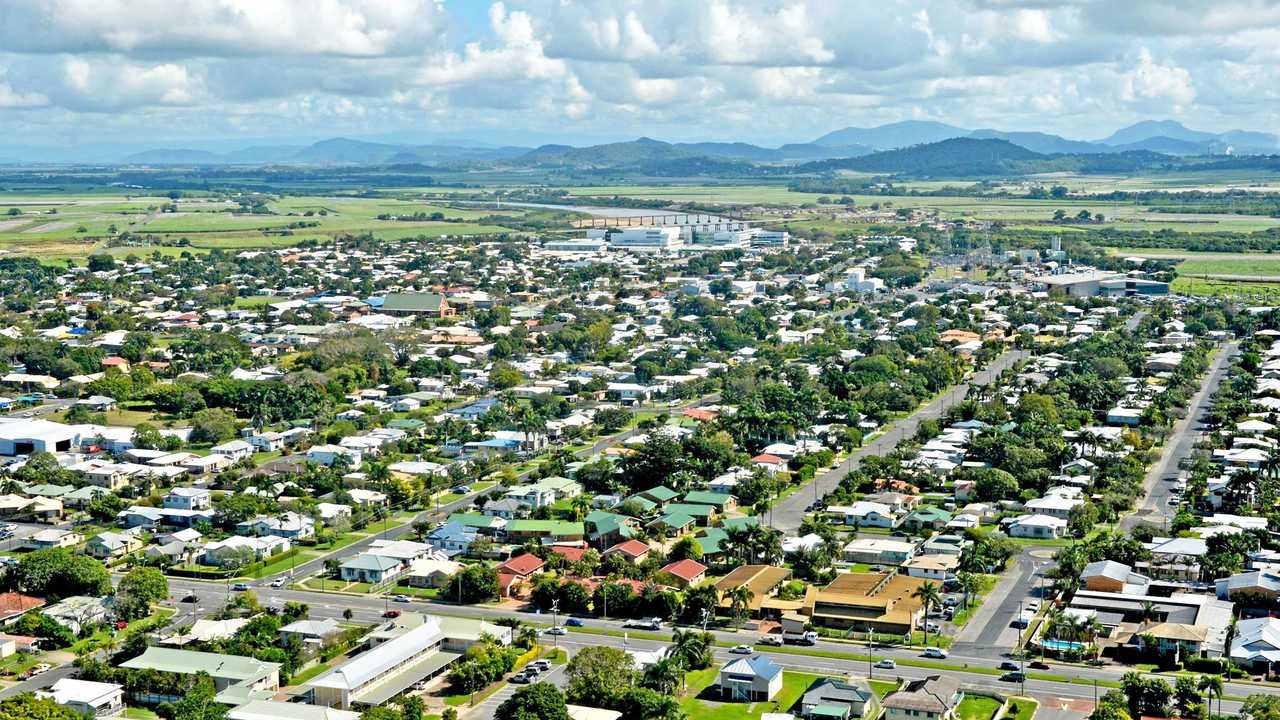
(226, 73)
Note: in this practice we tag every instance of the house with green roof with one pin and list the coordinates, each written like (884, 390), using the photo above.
(927, 516)
(409, 425)
(369, 568)
(722, 502)
(50, 491)
(81, 497)
(606, 529)
(673, 523)
(739, 522)
(712, 541)
(489, 525)
(643, 503)
(704, 514)
(660, 495)
(523, 530)
(237, 674)
(430, 304)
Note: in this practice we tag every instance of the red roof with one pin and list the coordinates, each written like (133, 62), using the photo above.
(112, 361)
(522, 565)
(15, 603)
(570, 554)
(768, 459)
(687, 570)
(630, 548)
(699, 414)
(637, 586)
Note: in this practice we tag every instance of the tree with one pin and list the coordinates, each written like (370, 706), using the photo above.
(475, 584)
(137, 590)
(212, 425)
(1211, 685)
(197, 702)
(664, 675)
(539, 701)
(146, 436)
(930, 596)
(1111, 706)
(1261, 707)
(27, 706)
(740, 601)
(1146, 696)
(1186, 697)
(686, 548)
(57, 573)
(599, 675)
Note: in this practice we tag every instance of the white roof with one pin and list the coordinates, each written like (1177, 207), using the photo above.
(67, 690)
(373, 663)
(273, 710)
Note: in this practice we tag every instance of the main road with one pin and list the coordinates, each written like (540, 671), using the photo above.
(789, 512)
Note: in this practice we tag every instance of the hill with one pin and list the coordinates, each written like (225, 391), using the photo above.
(173, 156)
(1147, 129)
(894, 135)
(952, 158)
(1040, 142)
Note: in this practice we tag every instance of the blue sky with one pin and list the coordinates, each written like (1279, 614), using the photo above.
(193, 73)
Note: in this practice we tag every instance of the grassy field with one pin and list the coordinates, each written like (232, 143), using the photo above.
(977, 707)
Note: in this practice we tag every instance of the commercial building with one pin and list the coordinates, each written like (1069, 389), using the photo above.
(236, 678)
(273, 710)
(27, 436)
(647, 239)
(880, 602)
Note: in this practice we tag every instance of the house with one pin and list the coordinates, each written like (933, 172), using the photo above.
(1111, 576)
(506, 508)
(239, 549)
(327, 455)
(291, 525)
(750, 679)
(431, 573)
(723, 503)
(80, 611)
(882, 602)
(53, 538)
(417, 303)
(864, 514)
(633, 550)
(453, 538)
(1256, 645)
(14, 604)
(91, 699)
(517, 570)
(246, 674)
(683, 573)
(660, 495)
(234, 450)
(933, 698)
(279, 710)
(188, 499)
(762, 580)
(878, 551)
(607, 529)
(930, 517)
(369, 568)
(838, 699)
(938, 568)
(545, 531)
(311, 634)
(112, 545)
(1042, 527)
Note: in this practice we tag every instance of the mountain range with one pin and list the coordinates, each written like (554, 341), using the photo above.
(1167, 137)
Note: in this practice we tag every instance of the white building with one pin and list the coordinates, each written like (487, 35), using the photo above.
(95, 699)
(647, 239)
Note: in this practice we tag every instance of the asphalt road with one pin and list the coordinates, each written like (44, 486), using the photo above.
(990, 632)
(788, 513)
(1155, 507)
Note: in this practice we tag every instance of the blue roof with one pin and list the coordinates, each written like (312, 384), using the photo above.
(757, 665)
(499, 443)
(78, 330)
(375, 301)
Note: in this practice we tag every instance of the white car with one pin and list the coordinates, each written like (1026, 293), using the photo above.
(886, 664)
(278, 582)
(936, 653)
(557, 630)
(741, 649)
(401, 598)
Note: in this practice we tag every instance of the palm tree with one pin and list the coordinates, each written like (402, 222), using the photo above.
(969, 585)
(740, 601)
(580, 505)
(702, 596)
(1149, 611)
(1212, 685)
(929, 595)
(692, 648)
(664, 675)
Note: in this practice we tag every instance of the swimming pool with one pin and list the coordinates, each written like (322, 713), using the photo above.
(1048, 644)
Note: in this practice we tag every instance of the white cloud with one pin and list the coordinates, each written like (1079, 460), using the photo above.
(1153, 84)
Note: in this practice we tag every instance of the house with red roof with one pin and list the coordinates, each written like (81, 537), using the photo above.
(684, 573)
(772, 463)
(15, 604)
(514, 574)
(700, 414)
(570, 554)
(633, 550)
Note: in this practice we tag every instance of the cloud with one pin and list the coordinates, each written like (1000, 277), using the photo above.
(98, 86)
(1151, 84)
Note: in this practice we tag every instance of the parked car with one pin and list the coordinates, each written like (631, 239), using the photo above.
(933, 627)
(540, 665)
(886, 663)
(951, 601)
(933, 652)
(573, 622)
(520, 679)
(741, 649)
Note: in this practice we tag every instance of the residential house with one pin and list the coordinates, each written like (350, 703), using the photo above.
(750, 679)
(933, 698)
(838, 699)
(87, 698)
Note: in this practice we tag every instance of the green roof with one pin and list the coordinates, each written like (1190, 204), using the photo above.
(705, 497)
(475, 520)
(546, 527)
(51, 491)
(833, 711)
(412, 302)
(661, 494)
(929, 512)
(697, 511)
(739, 522)
(711, 539)
(645, 503)
(674, 520)
(190, 662)
(407, 424)
(365, 561)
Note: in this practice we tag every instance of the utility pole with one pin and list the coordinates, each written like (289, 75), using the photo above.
(1022, 656)
(555, 623)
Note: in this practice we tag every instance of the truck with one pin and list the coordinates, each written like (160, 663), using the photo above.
(806, 637)
(644, 623)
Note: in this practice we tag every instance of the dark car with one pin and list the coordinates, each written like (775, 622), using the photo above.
(191, 598)
(1010, 665)
(1039, 665)
(391, 614)
(573, 622)
(1014, 676)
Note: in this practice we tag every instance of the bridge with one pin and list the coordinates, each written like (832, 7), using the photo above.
(680, 219)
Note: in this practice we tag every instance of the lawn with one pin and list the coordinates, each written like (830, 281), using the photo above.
(285, 564)
(1021, 708)
(139, 713)
(106, 635)
(882, 687)
(977, 707)
(794, 684)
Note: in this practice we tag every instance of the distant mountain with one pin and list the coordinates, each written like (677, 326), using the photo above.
(262, 154)
(647, 150)
(172, 156)
(893, 135)
(1174, 146)
(953, 157)
(1040, 142)
(1147, 129)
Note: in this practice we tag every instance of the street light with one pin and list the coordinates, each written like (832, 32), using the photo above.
(555, 623)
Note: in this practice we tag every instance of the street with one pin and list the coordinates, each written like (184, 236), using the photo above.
(1155, 507)
(790, 511)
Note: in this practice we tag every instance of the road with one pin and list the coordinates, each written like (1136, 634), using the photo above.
(790, 511)
(990, 632)
(1155, 507)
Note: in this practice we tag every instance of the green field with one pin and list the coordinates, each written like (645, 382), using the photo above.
(977, 707)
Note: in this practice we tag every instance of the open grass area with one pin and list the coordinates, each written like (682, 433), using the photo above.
(106, 636)
(1022, 708)
(701, 700)
(977, 707)
(140, 713)
(882, 687)
(1263, 292)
